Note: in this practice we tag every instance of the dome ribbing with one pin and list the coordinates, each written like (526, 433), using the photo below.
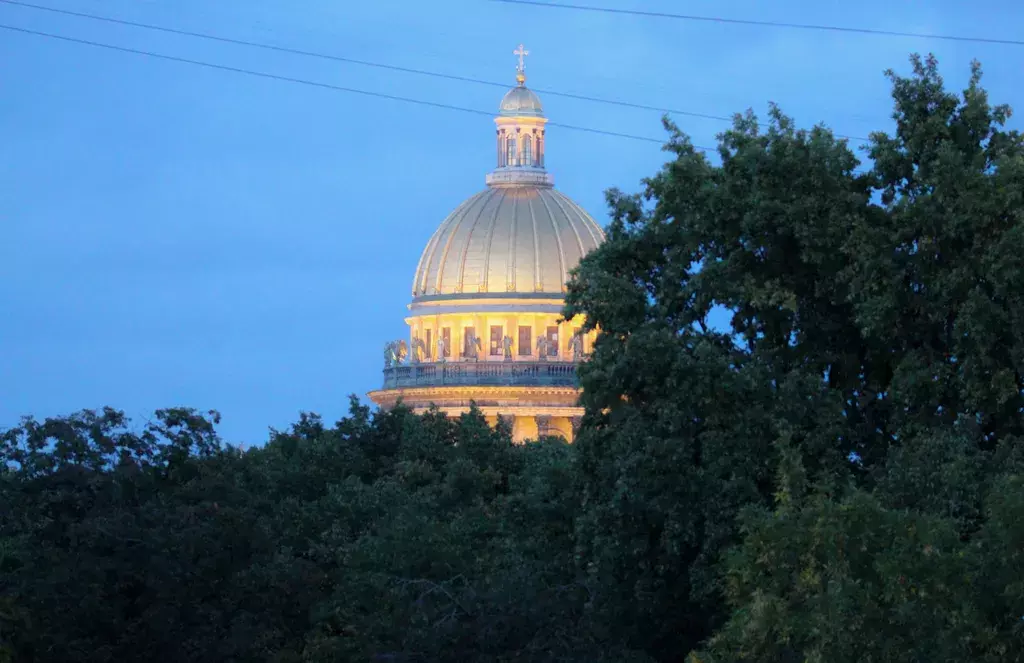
(513, 239)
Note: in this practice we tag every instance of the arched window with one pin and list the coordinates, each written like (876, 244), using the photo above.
(510, 159)
(527, 151)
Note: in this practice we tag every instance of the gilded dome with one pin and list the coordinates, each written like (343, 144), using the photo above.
(519, 236)
(521, 102)
(507, 239)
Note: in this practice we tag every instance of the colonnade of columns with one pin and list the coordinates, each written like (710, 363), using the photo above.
(429, 328)
(519, 148)
(533, 427)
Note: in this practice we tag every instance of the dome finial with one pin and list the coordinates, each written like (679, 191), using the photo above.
(521, 69)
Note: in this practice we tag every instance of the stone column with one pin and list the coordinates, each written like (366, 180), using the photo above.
(564, 333)
(512, 330)
(540, 328)
(484, 334)
(544, 427)
(508, 420)
(437, 334)
(414, 331)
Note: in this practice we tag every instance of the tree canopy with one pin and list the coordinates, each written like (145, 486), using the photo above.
(835, 474)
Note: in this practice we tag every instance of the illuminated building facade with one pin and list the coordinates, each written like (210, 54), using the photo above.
(489, 289)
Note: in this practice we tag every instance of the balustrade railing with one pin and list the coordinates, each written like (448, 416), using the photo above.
(534, 373)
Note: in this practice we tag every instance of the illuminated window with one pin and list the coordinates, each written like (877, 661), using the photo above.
(430, 343)
(510, 158)
(496, 336)
(552, 341)
(525, 341)
(468, 342)
(527, 151)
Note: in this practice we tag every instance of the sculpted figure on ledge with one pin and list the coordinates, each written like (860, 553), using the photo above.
(576, 345)
(419, 349)
(401, 351)
(473, 347)
(395, 353)
(542, 347)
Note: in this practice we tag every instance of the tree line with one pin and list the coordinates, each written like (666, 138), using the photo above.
(835, 475)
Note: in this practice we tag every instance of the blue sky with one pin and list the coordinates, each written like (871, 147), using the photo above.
(174, 235)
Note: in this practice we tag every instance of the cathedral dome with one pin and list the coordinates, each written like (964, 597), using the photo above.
(521, 101)
(507, 239)
(517, 237)
(486, 325)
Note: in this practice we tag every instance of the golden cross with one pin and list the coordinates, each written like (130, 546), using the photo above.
(522, 53)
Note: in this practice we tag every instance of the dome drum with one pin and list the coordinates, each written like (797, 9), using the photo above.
(533, 373)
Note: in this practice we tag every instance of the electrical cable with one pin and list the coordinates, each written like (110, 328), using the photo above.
(773, 24)
(328, 86)
(366, 63)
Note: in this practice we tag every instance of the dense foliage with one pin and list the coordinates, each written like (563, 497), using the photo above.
(391, 537)
(837, 475)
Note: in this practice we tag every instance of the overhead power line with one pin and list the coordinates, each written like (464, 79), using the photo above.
(772, 24)
(327, 86)
(366, 63)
